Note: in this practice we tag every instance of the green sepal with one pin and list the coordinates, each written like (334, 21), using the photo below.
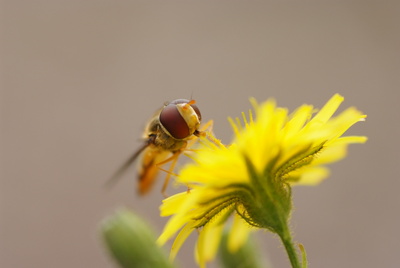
(271, 204)
(234, 194)
(303, 158)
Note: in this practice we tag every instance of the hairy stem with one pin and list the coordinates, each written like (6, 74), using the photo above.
(287, 241)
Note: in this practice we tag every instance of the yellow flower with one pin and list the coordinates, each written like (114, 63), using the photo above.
(251, 178)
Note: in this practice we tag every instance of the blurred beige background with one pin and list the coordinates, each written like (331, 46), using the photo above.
(80, 79)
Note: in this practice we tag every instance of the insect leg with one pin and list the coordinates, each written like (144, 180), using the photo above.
(174, 159)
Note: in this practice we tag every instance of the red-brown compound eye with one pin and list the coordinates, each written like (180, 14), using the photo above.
(173, 122)
(194, 106)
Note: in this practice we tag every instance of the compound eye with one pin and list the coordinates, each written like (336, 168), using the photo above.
(197, 111)
(173, 122)
(194, 106)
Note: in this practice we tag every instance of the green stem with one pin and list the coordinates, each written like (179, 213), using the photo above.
(287, 241)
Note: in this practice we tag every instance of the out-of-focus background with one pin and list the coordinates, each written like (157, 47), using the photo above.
(81, 78)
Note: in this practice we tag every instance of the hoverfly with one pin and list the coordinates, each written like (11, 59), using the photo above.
(166, 136)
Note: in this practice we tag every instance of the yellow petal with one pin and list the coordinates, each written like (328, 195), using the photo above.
(208, 242)
(298, 119)
(351, 139)
(312, 176)
(181, 238)
(328, 110)
(179, 219)
(340, 124)
(172, 204)
(238, 234)
(331, 154)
